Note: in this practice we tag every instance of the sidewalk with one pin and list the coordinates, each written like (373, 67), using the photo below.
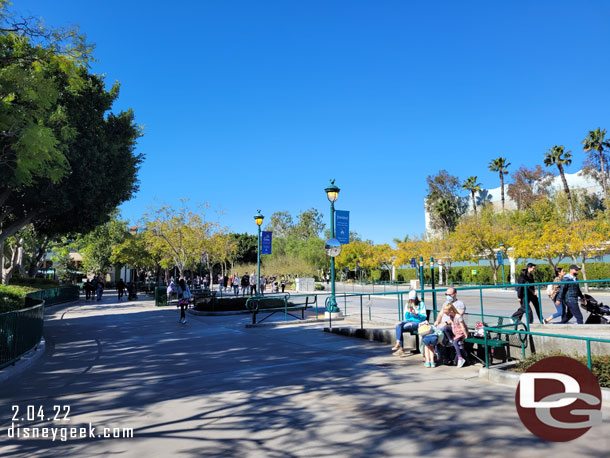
(215, 388)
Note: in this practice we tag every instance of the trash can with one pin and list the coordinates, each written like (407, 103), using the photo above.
(160, 296)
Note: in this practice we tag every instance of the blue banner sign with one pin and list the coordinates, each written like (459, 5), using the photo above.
(413, 263)
(342, 226)
(500, 258)
(266, 242)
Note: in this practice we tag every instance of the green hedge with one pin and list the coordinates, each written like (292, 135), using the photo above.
(12, 298)
(223, 304)
(38, 283)
(600, 365)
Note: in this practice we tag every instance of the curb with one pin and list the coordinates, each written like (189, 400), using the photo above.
(386, 336)
(232, 312)
(291, 323)
(500, 375)
(24, 362)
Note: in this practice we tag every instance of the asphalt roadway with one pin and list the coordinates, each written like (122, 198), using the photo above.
(213, 388)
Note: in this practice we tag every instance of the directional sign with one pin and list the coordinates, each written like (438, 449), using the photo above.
(500, 258)
(342, 226)
(266, 242)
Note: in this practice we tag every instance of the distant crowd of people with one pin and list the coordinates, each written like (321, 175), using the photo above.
(246, 284)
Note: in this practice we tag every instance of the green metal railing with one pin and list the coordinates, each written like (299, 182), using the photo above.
(20, 331)
(58, 295)
(588, 340)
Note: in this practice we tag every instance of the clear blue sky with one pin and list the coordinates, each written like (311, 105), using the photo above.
(256, 104)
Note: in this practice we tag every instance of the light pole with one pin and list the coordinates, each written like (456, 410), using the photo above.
(332, 193)
(502, 251)
(259, 220)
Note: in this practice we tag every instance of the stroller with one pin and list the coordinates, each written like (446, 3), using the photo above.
(132, 294)
(598, 312)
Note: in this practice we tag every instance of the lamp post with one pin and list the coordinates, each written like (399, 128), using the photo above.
(502, 251)
(258, 218)
(332, 193)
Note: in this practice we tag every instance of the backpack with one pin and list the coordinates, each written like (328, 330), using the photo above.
(479, 330)
(549, 291)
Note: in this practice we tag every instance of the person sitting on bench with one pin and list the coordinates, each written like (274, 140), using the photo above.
(415, 314)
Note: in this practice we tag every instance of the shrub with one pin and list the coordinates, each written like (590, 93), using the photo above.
(319, 287)
(37, 283)
(12, 298)
(222, 304)
(600, 365)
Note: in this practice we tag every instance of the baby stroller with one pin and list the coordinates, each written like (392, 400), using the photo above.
(132, 294)
(598, 312)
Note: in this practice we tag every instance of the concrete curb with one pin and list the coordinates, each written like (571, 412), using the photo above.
(292, 322)
(231, 312)
(501, 374)
(24, 362)
(379, 335)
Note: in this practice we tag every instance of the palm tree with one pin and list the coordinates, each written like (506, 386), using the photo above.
(500, 165)
(595, 142)
(471, 185)
(557, 156)
(396, 240)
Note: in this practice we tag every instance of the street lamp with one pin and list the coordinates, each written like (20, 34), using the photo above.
(332, 192)
(258, 218)
(502, 258)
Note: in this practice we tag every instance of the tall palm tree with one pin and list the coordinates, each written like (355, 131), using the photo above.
(396, 240)
(500, 165)
(558, 157)
(471, 185)
(595, 142)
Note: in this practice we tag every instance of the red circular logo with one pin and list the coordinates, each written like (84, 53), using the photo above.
(559, 399)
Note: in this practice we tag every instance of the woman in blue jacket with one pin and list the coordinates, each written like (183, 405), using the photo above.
(414, 314)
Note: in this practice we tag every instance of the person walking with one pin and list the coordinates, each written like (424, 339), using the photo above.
(253, 284)
(100, 289)
(527, 276)
(569, 293)
(235, 284)
(120, 286)
(245, 284)
(263, 285)
(88, 288)
(184, 295)
(283, 284)
(553, 293)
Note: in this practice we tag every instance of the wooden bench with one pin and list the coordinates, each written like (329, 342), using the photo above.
(272, 304)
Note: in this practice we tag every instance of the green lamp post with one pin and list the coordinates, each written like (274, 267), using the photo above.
(258, 218)
(332, 193)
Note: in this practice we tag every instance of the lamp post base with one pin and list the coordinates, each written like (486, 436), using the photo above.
(333, 315)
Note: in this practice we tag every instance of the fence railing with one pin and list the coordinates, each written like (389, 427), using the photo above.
(20, 331)
(57, 295)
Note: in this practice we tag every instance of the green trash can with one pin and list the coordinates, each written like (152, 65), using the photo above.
(160, 296)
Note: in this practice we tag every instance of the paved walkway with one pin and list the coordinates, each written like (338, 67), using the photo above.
(215, 388)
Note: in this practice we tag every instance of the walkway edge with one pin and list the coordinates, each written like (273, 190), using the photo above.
(24, 362)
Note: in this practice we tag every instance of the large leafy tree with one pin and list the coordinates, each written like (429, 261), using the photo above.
(597, 146)
(557, 156)
(443, 204)
(529, 186)
(97, 246)
(500, 165)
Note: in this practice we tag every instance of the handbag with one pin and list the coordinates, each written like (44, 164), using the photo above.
(424, 328)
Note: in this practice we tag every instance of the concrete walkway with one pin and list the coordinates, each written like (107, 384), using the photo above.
(215, 388)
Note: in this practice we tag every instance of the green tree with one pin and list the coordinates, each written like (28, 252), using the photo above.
(473, 187)
(442, 202)
(596, 145)
(500, 165)
(97, 246)
(280, 224)
(559, 157)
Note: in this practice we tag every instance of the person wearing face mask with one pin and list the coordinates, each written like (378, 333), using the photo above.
(451, 297)
(569, 293)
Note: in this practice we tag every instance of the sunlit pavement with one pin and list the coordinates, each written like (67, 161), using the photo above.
(215, 388)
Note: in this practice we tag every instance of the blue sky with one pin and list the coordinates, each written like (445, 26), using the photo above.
(257, 104)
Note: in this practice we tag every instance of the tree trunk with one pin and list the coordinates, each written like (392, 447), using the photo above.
(584, 273)
(502, 188)
(567, 190)
(603, 170)
(474, 204)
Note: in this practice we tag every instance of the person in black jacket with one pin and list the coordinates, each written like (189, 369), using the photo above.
(527, 276)
(569, 293)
